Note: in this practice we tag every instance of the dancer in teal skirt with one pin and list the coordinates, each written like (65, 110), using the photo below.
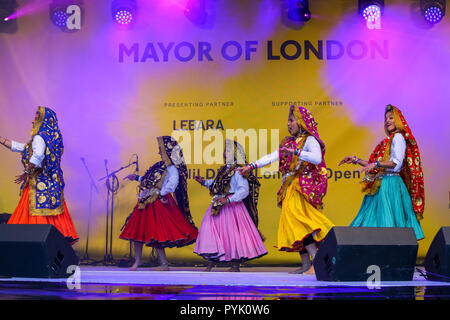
(393, 183)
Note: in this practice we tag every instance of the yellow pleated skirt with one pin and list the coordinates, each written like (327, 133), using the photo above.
(298, 220)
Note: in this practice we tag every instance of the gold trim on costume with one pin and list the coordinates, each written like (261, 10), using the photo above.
(37, 125)
(32, 202)
(164, 156)
(298, 116)
(154, 196)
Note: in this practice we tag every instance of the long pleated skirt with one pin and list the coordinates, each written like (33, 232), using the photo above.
(229, 236)
(391, 206)
(159, 225)
(299, 220)
(63, 222)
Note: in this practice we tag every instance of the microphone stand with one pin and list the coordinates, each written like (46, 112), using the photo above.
(86, 259)
(112, 185)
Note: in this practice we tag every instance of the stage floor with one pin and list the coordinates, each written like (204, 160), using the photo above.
(252, 283)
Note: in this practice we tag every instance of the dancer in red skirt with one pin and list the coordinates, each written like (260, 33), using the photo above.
(158, 220)
(42, 191)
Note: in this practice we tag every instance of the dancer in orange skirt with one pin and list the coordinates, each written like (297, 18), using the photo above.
(158, 220)
(42, 190)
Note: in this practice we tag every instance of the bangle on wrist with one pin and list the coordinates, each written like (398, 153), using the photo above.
(297, 152)
(377, 164)
(355, 160)
(252, 166)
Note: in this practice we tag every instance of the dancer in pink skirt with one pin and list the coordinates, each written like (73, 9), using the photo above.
(229, 232)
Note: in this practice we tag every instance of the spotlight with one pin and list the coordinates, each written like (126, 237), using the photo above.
(433, 10)
(299, 10)
(66, 14)
(7, 9)
(371, 10)
(124, 11)
(195, 11)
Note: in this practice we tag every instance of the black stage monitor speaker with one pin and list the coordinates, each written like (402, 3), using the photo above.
(437, 261)
(353, 253)
(34, 251)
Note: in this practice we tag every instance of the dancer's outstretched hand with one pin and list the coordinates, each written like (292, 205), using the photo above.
(243, 170)
(199, 180)
(347, 159)
(222, 201)
(22, 178)
(163, 199)
(131, 177)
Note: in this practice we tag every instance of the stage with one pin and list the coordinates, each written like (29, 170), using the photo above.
(191, 283)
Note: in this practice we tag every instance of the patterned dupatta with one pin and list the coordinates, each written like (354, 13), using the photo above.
(151, 184)
(312, 178)
(46, 183)
(221, 184)
(411, 173)
(172, 154)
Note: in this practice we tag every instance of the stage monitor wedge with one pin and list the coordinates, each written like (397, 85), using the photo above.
(34, 251)
(437, 260)
(352, 253)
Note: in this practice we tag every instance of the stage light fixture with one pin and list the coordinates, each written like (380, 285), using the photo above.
(7, 9)
(371, 10)
(195, 11)
(433, 10)
(298, 10)
(66, 14)
(124, 12)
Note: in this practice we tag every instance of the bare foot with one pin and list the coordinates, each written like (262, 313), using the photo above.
(134, 266)
(234, 269)
(163, 267)
(310, 271)
(304, 269)
(210, 267)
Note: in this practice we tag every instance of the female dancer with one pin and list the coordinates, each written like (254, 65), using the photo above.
(393, 183)
(229, 228)
(302, 225)
(42, 190)
(157, 220)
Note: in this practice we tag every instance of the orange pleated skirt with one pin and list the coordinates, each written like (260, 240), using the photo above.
(62, 222)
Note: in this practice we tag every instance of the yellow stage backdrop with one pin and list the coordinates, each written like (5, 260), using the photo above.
(115, 90)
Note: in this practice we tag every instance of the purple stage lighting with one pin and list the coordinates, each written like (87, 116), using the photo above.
(124, 17)
(371, 10)
(433, 15)
(372, 13)
(59, 18)
(433, 10)
(298, 10)
(124, 12)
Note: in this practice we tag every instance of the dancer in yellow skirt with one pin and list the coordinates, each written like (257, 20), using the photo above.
(302, 224)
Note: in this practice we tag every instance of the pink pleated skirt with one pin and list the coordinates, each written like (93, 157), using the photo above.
(229, 236)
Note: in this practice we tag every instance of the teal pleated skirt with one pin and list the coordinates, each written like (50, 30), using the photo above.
(390, 207)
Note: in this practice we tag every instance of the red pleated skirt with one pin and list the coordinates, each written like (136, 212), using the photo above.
(159, 225)
(62, 222)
